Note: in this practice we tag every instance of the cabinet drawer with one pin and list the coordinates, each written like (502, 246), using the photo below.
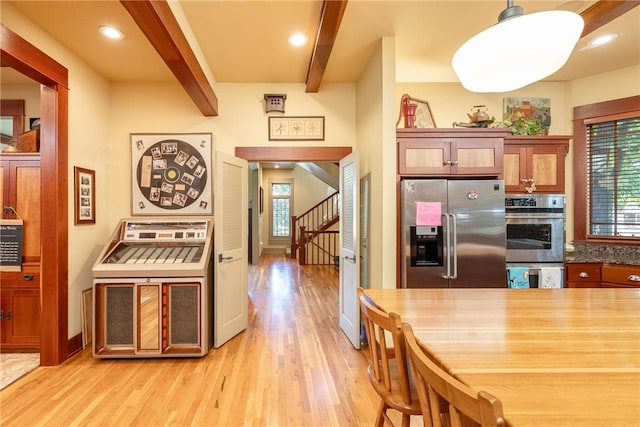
(621, 274)
(583, 272)
(20, 279)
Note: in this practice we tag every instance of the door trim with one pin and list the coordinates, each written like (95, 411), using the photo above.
(21, 55)
(292, 154)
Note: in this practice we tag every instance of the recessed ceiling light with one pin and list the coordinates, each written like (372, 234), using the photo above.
(604, 39)
(298, 39)
(111, 32)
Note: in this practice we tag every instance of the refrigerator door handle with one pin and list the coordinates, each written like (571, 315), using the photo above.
(455, 246)
(447, 245)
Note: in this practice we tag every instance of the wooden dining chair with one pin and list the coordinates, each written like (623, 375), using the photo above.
(388, 364)
(438, 389)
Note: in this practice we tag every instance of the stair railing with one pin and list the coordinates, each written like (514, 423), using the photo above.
(320, 217)
(318, 247)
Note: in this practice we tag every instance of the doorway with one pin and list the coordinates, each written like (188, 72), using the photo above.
(281, 154)
(25, 58)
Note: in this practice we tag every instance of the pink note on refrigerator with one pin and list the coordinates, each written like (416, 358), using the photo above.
(429, 213)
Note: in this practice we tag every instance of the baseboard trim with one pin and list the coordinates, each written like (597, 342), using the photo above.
(74, 345)
(274, 249)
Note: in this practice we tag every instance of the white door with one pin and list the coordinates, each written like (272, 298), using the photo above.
(230, 295)
(349, 248)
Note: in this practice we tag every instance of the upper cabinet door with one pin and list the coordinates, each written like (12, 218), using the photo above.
(535, 164)
(450, 152)
(20, 177)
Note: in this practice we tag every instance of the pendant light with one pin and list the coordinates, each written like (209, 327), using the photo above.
(518, 50)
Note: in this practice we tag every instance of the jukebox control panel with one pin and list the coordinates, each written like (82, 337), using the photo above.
(176, 247)
(165, 230)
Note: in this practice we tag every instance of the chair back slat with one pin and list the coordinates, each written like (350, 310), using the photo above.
(388, 368)
(463, 406)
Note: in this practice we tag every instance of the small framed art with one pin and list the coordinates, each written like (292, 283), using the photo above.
(84, 195)
(296, 128)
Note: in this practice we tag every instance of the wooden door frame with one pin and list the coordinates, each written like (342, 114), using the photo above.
(292, 154)
(24, 57)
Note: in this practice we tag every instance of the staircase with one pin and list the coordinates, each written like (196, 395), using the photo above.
(311, 241)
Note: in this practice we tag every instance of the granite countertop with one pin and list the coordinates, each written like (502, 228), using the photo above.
(606, 254)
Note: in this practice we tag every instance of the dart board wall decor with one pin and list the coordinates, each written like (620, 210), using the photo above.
(171, 174)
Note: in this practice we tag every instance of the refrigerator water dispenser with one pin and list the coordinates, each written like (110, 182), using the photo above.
(426, 246)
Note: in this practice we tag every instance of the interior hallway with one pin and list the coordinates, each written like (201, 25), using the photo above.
(293, 366)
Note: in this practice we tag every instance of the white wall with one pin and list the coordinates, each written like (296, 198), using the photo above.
(29, 92)
(604, 87)
(450, 102)
(88, 130)
(242, 121)
(377, 155)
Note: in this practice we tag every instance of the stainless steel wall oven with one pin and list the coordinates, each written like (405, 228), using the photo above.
(535, 235)
(535, 228)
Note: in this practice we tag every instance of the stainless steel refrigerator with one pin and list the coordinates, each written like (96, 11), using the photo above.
(453, 233)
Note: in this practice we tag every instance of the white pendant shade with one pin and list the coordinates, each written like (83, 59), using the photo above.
(518, 51)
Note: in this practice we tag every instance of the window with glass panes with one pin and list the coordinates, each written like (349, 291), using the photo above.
(281, 209)
(613, 178)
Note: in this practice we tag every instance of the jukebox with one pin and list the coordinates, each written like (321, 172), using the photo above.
(153, 289)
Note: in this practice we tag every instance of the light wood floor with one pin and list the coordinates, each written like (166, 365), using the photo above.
(293, 366)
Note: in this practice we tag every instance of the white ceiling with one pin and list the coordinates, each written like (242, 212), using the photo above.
(246, 41)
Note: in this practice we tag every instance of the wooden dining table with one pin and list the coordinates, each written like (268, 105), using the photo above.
(554, 357)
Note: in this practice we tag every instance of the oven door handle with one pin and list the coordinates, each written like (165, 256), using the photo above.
(532, 217)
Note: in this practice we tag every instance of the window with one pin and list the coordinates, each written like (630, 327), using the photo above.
(281, 193)
(606, 165)
(613, 162)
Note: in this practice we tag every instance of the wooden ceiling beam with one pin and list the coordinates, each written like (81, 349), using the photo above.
(330, 19)
(604, 12)
(157, 22)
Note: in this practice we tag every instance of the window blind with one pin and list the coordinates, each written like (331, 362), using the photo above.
(613, 175)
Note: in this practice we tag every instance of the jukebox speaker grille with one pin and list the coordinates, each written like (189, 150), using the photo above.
(119, 327)
(184, 315)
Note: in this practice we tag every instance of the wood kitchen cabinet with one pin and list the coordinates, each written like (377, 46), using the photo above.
(20, 290)
(583, 275)
(450, 152)
(620, 276)
(20, 179)
(20, 310)
(596, 275)
(535, 161)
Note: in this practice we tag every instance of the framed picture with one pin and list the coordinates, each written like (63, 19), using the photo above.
(171, 174)
(296, 128)
(84, 196)
(86, 304)
(528, 109)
